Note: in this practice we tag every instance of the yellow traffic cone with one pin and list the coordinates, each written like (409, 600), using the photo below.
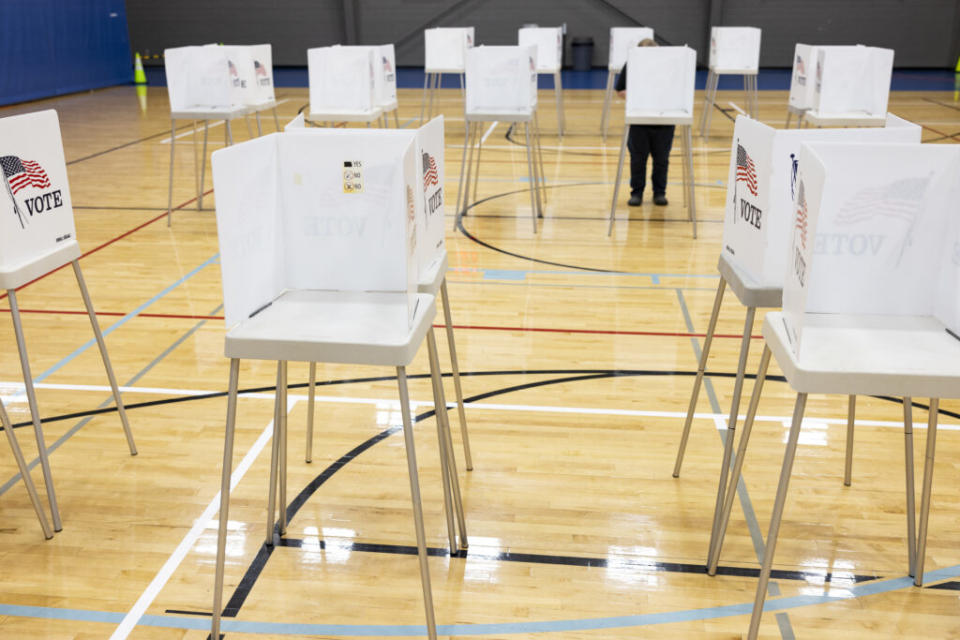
(139, 77)
(957, 68)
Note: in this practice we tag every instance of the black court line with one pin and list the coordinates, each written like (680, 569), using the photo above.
(123, 146)
(949, 136)
(942, 104)
(953, 585)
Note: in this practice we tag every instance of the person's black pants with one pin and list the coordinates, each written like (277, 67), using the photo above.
(649, 140)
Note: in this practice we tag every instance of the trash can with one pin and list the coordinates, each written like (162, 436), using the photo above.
(582, 50)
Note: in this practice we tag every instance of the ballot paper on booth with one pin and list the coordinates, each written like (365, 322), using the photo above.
(622, 40)
(263, 88)
(549, 44)
(501, 80)
(445, 49)
(198, 77)
(317, 209)
(660, 84)
(37, 233)
(388, 71)
(734, 49)
(430, 175)
(342, 79)
(902, 202)
(761, 183)
(852, 79)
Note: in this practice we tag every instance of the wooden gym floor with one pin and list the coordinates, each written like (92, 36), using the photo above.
(578, 352)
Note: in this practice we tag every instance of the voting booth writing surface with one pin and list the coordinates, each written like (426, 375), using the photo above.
(761, 185)
(344, 80)
(501, 80)
(660, 84)
(317, 209)
(445, 49)
(734, 49)
(622, 40)
(549, 44)
(901, 203)
(853, 79)
(37, 233)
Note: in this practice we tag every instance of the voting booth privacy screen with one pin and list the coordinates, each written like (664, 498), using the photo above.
(36, 221)
(388, 71)
(430, 175)
(549, 44)
(445, 49)
(344, 79)
(320, 209)
(761, 186)
(852, 79)
(219, 76)
(501, 80)
(734, 49)
(660, 81)
(874, 231)
(622, 40)
(802, 77)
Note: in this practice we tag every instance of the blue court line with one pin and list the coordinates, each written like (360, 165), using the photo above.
(122, 321)
(129, 383)
(543, 626)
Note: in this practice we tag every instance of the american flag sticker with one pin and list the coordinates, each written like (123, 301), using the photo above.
(352, 176)
(21, 173)
(746, 171)
(801, 219)
(431, 177)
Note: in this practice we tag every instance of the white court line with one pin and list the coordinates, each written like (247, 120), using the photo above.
(160, 580)
(489, 406)
(489, 131)
(214, 124)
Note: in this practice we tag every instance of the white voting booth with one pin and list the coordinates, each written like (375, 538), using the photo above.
(761, 185)
(38, 236)
(660, 86)
(346, 84)
(216, 82)
(851, 86)
(445, 51)
(878, 317)
(501, 87)
(431, 256)
(388, 68)
(802, 82)
(733, 51)
(622, 40)
(319, 255)
(549, 44)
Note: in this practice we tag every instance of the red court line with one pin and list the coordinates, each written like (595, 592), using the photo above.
(111, 241)
(467, 327)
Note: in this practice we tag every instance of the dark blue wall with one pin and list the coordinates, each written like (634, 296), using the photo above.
(52, 47)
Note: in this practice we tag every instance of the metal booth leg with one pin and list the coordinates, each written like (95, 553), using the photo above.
(616, 185)
(311, 397)
(105, 357)
(851, 419)
(777, 515)
(275, 442)
(558, 90)
(789, 115)
(259, 126)
(536, 140)
(691, 194)
(476, 170)
(282, 459)
(34, 410)
(607, 100)
(173, 142)
(732, 420)
(276, 120)
(911, 495)
(537, 178)
(227, 471)
(203, 164)
(698, 380)
(531, 172)
(423, 102)
(927, 488)
(417, 506)
(439, 406)
(455, 367)
(25, 473)
(721, 519)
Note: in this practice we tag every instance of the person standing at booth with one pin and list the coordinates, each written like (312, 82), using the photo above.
(647, 140)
